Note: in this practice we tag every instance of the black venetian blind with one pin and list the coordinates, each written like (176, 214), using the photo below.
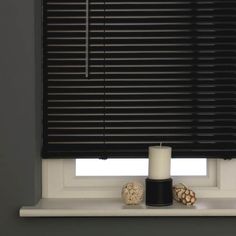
(121, 75)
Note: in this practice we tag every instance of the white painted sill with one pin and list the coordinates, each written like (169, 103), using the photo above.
(115, 208)
(72, 197)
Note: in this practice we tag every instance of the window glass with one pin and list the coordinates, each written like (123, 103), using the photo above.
(138, 167)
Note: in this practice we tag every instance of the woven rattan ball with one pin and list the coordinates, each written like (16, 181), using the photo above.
(132, 193)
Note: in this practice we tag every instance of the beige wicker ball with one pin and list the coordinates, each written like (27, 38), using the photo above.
(184, 195)
(132, 193)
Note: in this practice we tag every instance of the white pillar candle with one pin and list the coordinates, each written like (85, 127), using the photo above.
(159, 162)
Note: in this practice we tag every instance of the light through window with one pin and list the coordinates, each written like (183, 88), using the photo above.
(137, 167)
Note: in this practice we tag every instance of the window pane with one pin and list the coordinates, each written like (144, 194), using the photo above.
(137, 167)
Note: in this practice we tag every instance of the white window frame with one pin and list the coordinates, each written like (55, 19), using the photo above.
(60, 181)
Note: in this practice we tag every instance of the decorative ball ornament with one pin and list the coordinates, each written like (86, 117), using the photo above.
(184, 195)
(132, 193)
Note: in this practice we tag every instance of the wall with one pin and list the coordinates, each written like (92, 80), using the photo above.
(20, 145)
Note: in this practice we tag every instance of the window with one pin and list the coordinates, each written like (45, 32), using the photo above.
(60, 181)
(120, 76)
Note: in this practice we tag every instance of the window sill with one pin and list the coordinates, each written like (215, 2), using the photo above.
(115, 208)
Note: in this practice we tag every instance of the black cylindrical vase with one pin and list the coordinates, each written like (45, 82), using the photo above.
(159, 192)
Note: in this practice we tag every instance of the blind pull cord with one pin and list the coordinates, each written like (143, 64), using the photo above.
(104, 155)
(87, 41)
